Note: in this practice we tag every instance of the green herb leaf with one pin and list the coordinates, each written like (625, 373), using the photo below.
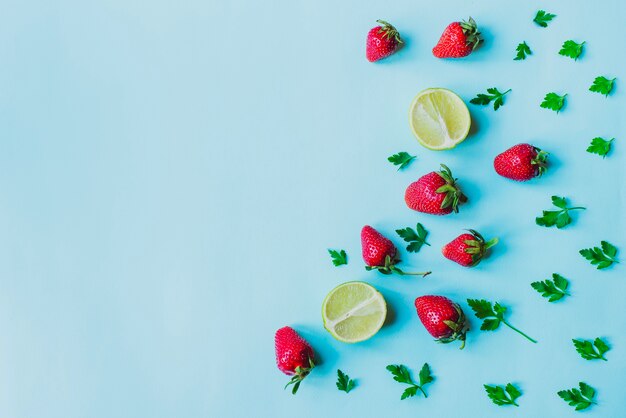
(591, 350)
(542, 18)
(559, 218)
(493, 94)
(503, 395)
(602, 85)
(402, 159)
(553, 101)
(344, 382)
(600, 146)
(338, 257)
(523, 50)
(601, 257)
(402, 375)
(493, 316)
(554, 289)
(571, 49)
(482, 308)
(416, 238)
(425, 375)
(580, 399)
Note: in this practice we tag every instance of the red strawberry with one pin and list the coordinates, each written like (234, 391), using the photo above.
(435, 193)
(442, 318)
(294, 356)
(521, 162)
(379, 253)
(467, 249)
(458, 40)
(382, 41)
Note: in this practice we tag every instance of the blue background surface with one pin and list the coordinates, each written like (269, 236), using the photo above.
(172, 174)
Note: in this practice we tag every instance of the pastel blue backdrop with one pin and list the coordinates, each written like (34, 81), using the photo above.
(172, 174)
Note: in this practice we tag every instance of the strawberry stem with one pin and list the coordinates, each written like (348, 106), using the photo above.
(403, 273)
(518, 331)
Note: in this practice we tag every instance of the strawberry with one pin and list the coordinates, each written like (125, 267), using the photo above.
(435, 193)
(467, 249)
(458, 40)
(382, 41)
(521, 162)
(294, 356)
(442, 318)
(379, 253)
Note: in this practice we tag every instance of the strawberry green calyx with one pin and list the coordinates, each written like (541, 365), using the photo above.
(478, 246)
(470, 30)
(459, 329)
(389, 31)
(390, 268)
(540, 161)
(298, 377)
(454, 195)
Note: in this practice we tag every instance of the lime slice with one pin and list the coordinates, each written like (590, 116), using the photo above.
(354, 312)
(439, 119)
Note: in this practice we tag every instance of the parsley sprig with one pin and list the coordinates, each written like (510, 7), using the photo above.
(554, 289)
(592, 350)
(602, 85)
(503, 395)
(572, 49)
(542, 18)
(416, 238)
(581, 399)
(344, 382)
(600, 146)
(493, 316)
(601, 257)
(554, 102)
(339, 257)
(523, 50)
(493, 95)
(401, 374)
(560, 217)
(401, 159)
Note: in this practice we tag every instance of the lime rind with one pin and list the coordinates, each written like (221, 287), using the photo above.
(354, 312)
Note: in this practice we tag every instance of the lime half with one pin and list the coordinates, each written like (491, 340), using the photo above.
(439, 119)
(354, 312)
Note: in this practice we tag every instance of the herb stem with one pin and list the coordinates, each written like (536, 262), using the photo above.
(519, 332)
(422, 390)
(576, 208)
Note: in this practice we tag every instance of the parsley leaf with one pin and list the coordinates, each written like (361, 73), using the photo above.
(402, 159)
(553, 101)
(554, 289)
(344, 382)
(581, 399)
(339, 257)
(571, 49)
(600, 146)
(416, 238)
(401, 374)
(560, 218)
(602, 85)
(503, 395)
(494, 94)
(591, 350)
(601, 257)
(493, 316)
(542, 18)
(522, 51)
